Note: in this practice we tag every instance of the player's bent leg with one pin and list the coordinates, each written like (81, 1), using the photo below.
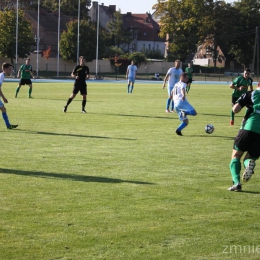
(191, 112)
(249, 170)
(183, 124)
(249, 164)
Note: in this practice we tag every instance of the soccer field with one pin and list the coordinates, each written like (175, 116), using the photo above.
(117, 182)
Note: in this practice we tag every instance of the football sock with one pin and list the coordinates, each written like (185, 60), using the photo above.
(168, 102)
(84, 104)
(128, 88)
(187, 89)
(132, 88)
(172, 103)
(17, 90)
(5, 117)
(235, 168)
(232, 115)
(69, 101)
(30, 91)
(181, 126)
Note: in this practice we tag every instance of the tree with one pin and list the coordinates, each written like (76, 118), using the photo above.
(180, 24)
(243, 39)
(6, 5)
(11, 4)
(68, 7)
(8, 35)
(187, 23)
(87, 41)
(116, 30)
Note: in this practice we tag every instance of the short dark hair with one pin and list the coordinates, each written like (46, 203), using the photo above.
(6, 65)
(248, 70)
(184, 75)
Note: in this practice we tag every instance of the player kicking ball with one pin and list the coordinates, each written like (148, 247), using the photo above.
(181, 104)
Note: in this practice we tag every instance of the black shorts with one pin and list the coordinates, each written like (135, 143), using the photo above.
(248, 141)
(80, 87)
(189, 81)
(25, 82)
(234, 100)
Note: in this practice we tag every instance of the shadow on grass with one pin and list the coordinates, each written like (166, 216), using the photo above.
(250, 192)
(204, 114)
(211, 136)
(74, 135)
(142, 116)
(72, 177)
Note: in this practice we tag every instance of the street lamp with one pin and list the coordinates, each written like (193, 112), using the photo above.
(16, 42)
(97, 42)
(58, 55)
(78, 32)
(38, 39)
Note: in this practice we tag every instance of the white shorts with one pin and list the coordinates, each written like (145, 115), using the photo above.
(1, 103)
(180, 105)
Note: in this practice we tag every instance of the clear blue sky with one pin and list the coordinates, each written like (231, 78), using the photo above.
(134, 6)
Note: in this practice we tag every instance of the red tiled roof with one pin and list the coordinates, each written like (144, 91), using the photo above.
(49, 21)
(147, 28)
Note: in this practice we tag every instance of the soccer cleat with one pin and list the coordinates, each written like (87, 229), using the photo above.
(65, 109)
(172, 111)
(84, 111)
(167, 110)
(237, 188)
(231, 122)
(249, 170)
(178, 132)
(12, 126)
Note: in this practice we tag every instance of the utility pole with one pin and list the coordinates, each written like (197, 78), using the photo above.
(257, 51)
(215, 51)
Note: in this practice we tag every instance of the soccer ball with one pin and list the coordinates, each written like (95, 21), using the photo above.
(209, 129)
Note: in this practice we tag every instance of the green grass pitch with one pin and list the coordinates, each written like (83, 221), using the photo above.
(117, 182)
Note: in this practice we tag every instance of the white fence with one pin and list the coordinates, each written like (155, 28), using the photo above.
(103, 66)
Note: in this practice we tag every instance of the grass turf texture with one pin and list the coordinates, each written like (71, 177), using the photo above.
(117, 182)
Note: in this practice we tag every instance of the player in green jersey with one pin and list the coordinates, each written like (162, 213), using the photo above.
(189, 71)
(25, 73)
(240, 86)
(247, 140)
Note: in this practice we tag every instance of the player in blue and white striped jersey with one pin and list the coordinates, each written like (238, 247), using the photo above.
(181, 104)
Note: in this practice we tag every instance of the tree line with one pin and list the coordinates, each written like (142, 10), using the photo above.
(185, 24)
